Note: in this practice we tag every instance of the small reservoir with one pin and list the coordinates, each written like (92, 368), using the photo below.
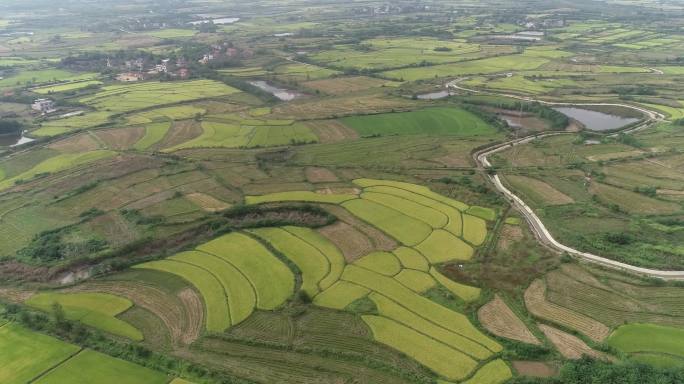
(281, 93)
(596, 121)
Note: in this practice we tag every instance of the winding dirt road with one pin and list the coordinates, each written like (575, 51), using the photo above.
(537, 226)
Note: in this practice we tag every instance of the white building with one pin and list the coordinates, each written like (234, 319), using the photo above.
(44, 106)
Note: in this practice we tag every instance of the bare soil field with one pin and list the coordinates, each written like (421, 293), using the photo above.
(500, 320)
(332, 131)
(179, 133)
(509, 235)
(571, 347)
(349, 240)
(544, 191)
(379, 239)
(120, 138)
(320, 175)
(80, 143)
(534, 368)
(535, 300)
(206, 202)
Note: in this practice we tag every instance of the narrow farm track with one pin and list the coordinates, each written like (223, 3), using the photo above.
(535, 223)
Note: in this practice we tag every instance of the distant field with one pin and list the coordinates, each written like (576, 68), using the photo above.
(24, 78)
(483, 66)
(131, 97)
(65, 87)
(432, 121)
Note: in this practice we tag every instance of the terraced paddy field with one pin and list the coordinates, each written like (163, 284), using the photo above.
(242, 279)
(126, 98)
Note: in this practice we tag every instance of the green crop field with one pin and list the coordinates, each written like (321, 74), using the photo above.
(91, 366)
(432, 121)
(494, 372)
(132, 97)
(381, 262)
(437, 356)
(648, 338)
(410, 258)
(24, 78)
(313, 265)
(273, 282)
(73, 86)
(483, 66)
(172, 33)
(442, 246)
(60, 126)
(340, 295)
(24, 354)
(324, 246)
(418, 281)
(236, 288)
(429, 216)
(98, 310)
(402, 227)
(299, 196)
(465, 292)
(57, 164)
(153, 134)
(180, 112)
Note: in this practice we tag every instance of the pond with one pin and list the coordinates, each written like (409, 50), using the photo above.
(220, 21)
(596, 121)
(434, 95)
(281, 93)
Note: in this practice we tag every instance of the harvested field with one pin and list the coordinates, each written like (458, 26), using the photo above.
(342, 85)
(80, 143)
(633, 202)
(331, 131)
(538, 191)
(206, 202)
(378, 239)
(120, 138)
(500, 320)
(320, 175)
(571, 347)
(180, 132)
(182, 314)
(534, 368)
(348, 239)
(535, 300)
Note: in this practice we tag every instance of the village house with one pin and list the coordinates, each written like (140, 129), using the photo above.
(44, 106)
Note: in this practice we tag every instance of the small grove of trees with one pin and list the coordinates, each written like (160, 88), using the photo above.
(8, 127)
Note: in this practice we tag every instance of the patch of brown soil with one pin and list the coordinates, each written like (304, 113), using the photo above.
(379, 240)
(180, 132)
(534, 368)
(500, 320)
(183, 316)
(331, 131)
(320, 175)
(15, 295)
(120, 138)
(571, 347)
(509, 235)
(79, 143)
(350, 241)
(206, 202)
(195, 315)
(535, 300)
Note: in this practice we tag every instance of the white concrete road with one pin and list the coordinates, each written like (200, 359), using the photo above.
(537, 226)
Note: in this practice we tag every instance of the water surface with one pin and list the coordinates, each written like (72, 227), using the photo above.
(594, 120)
(434, 95)
(281, 93)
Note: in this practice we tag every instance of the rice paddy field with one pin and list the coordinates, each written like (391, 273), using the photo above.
(333, 225)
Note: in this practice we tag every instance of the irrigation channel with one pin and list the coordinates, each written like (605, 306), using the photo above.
(538, 228)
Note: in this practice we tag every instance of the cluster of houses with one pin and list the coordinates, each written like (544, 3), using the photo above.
(139, 69)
